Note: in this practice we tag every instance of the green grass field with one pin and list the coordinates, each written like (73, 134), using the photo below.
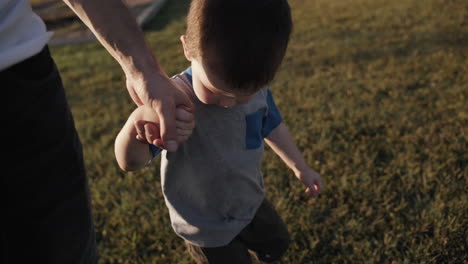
(375, 93)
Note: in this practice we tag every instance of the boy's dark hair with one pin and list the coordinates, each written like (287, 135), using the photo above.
(241, 41)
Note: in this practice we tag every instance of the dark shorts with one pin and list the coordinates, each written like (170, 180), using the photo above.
(46, 211)
(266, 239)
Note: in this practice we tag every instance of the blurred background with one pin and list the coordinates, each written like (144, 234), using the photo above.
(374, 92)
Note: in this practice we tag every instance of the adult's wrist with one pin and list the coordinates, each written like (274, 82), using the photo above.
(138, 68)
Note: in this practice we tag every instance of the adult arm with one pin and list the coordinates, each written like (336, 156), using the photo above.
(117, 30)
(282, 143)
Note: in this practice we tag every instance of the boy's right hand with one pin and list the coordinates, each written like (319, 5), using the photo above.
(312, 180)
(149, 132)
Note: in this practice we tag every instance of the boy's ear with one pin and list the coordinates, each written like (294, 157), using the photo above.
(186, 51)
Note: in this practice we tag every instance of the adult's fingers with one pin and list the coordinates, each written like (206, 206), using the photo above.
(181, 99)
(185, 125)
(182, 139)
(168, 126)
(167, 118)
(184, 114)
(184, 132)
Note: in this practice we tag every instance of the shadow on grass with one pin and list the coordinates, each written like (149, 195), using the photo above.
(172, 10)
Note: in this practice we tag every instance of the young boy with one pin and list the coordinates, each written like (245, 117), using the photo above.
(213, 184)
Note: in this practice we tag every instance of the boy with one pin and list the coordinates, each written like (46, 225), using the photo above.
(213, 184)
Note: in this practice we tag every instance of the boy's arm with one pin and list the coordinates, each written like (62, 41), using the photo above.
(132, 154)
(282, 143)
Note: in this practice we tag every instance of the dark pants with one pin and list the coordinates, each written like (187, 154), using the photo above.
(46, 211)
(266, 239)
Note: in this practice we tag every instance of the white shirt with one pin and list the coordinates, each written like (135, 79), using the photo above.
(22, 32)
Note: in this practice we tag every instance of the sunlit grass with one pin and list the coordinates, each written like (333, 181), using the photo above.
(375, 94)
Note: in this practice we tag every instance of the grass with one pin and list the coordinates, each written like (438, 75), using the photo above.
(375, 93)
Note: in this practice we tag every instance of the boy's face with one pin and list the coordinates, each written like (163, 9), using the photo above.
(211, 90)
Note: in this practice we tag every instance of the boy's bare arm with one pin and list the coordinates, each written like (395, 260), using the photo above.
(282, 143)
(132, 154)
(131, 145)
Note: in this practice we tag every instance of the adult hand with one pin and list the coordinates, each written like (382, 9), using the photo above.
(157, 91)
(114, 25)
(147, 130)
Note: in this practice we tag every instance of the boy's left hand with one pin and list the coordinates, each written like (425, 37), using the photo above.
(312, 180)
